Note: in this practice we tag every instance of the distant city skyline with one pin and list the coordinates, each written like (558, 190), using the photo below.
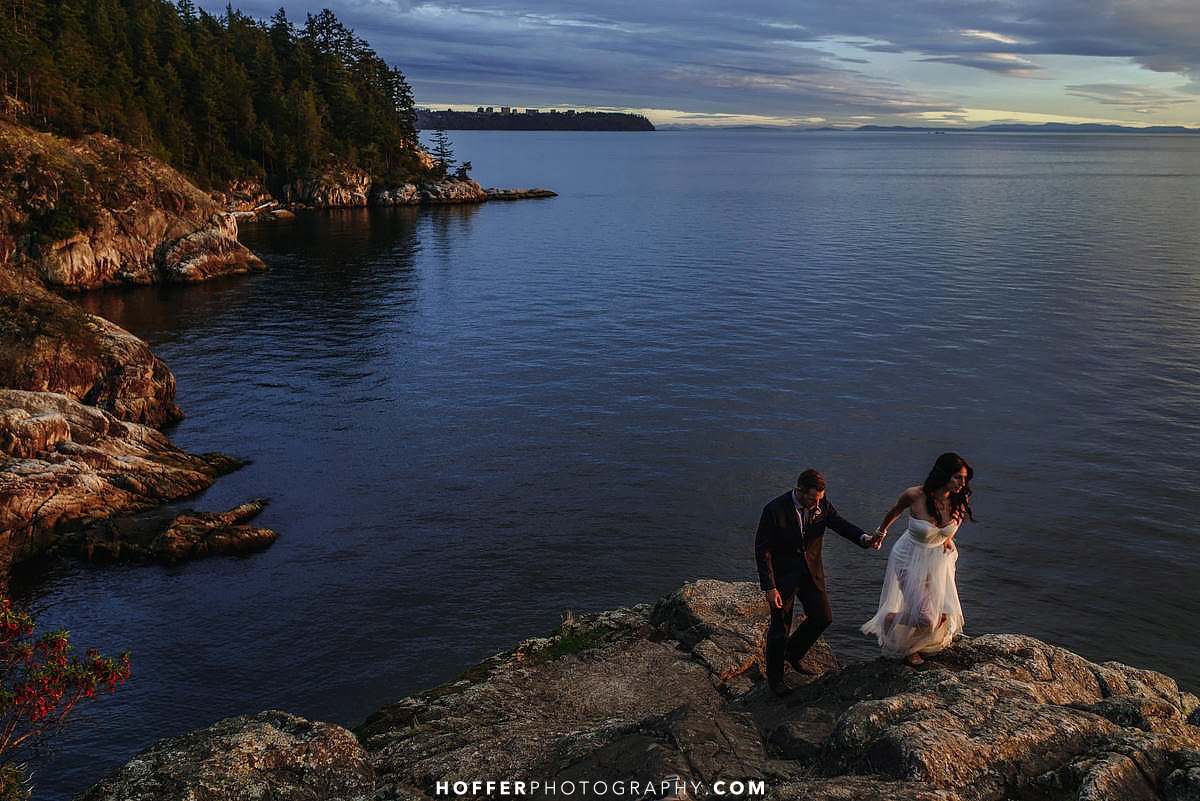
(923, 63)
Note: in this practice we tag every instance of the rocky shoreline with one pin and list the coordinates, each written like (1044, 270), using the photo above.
(80, 461)
(351, 188)
(675, 689)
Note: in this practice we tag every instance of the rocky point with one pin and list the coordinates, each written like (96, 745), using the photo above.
(674, 691)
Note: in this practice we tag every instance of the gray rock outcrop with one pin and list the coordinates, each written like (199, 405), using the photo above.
(348, 187)
(676, 690)
(269, 756)
(453, 190)
(603, 688)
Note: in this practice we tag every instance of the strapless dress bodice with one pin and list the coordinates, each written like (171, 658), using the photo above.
(927, 533)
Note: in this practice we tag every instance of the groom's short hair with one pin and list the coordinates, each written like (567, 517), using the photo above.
(810, 479)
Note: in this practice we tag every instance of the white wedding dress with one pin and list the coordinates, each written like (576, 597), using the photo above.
(918, 607)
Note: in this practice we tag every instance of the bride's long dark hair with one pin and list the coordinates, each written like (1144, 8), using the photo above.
(946, 466)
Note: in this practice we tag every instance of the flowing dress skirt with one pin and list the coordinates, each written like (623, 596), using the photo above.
(918, 606)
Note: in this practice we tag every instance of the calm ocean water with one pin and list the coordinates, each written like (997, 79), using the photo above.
(471, 420)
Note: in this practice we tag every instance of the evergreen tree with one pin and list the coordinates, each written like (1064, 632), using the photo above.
(441, 150)
(219, 97)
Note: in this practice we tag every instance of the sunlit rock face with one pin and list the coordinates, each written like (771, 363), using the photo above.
(336, 187)
(92, 212)
(64, 465)
(49, 344)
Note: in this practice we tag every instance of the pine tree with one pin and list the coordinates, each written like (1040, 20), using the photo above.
(442, 151)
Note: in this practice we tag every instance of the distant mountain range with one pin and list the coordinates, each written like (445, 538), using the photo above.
(1048, 127)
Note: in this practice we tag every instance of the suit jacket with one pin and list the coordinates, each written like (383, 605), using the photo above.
(781, 548)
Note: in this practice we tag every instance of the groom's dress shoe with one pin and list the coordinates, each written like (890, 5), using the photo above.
(781, 690)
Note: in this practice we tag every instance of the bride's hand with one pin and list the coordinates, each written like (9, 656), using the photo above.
(948, 546)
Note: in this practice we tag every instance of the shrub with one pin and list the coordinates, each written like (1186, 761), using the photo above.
(41, 682)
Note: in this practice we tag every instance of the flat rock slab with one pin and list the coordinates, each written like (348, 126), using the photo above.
(171, 537)
(494, 193)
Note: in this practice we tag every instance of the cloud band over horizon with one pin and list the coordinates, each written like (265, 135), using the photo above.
(857, 61)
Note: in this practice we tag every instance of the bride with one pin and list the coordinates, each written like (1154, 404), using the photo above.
(919, 611)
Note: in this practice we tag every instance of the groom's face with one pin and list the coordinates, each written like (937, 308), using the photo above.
(810, 497)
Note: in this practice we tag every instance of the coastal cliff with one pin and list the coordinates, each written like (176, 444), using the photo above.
(48, 344)
(91, 212)
(80, 214)
(672, 692)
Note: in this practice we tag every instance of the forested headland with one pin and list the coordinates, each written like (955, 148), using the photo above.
(218, 97)
(531, 120)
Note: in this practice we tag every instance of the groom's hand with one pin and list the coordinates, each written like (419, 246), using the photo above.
(774, 599)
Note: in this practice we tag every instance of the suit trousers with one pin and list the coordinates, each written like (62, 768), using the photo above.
(817, 617)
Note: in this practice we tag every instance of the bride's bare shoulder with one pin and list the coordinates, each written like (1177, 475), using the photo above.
(907, 499)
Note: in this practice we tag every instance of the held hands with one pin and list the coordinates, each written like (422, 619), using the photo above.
(876, 541)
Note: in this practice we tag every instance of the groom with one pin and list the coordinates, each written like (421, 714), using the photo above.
(787, 549)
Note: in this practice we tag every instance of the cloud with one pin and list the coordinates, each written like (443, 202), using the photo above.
(1004, 63)
(994, 37)
(1142, 99)
(793, 60)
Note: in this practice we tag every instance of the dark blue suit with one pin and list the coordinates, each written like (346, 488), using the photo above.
(789, 560)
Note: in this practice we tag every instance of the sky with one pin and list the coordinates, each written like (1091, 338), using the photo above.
(794, 62)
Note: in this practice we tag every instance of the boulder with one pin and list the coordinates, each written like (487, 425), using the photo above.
(207, 253)
(271, 755)
(723, 626)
